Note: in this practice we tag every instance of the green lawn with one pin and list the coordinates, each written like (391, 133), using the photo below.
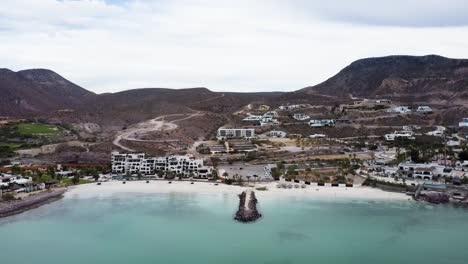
(10, 145)
(38, 129)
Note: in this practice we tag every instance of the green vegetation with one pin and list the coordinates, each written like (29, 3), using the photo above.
(73, 181)
(34, 129)
(261, 189)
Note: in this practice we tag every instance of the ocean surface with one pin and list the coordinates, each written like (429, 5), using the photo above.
(198, 228)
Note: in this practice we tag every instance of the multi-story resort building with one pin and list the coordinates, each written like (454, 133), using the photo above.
(230, 133)
(186, 165)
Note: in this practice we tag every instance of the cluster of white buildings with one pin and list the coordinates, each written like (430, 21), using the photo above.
(6, 180)
(419, 171)
(135, 163)
(269, 118)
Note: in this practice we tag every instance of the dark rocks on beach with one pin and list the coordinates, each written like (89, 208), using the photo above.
(247, 212)
(435, 197)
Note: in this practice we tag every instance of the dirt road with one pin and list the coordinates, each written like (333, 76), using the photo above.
(157, 124)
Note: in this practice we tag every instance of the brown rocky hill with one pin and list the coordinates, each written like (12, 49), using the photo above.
(38, 91)
(402, 78)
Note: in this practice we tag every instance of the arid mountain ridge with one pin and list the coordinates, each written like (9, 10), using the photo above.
(430, 79)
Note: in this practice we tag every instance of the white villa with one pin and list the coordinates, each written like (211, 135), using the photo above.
(266, 119)
(322, 122)
(277, 134)
(399, 134)
(424, 109)
(439, 132)
(301, 116)
(228, 133)
(400, 110)
(185, 165)
(463, 123)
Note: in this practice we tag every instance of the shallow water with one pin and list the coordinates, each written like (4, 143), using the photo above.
(198, 228)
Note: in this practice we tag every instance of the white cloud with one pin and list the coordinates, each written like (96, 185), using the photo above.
(223, 45)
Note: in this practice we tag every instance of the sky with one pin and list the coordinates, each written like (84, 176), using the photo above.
(238, 45)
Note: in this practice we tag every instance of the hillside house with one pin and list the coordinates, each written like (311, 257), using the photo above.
(399, 134)
(301, 116)
(322, 122)
(424, 109)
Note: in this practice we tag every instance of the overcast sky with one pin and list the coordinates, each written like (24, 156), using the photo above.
(238, 45)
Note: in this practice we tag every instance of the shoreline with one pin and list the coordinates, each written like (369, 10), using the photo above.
(35, 201)
(316, 192)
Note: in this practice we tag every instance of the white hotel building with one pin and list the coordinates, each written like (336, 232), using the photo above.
(228, 133)
(181, 165)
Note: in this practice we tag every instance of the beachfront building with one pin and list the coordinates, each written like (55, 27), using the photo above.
(322, 122)
(230, 133)
(185, 165)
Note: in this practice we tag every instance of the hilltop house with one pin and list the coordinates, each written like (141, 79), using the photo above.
(185, 165)
(229, 133)
(322, 122)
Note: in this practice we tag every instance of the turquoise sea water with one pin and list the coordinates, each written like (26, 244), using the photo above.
(196, 228)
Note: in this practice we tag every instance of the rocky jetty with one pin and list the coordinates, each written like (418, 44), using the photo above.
(33, 201)
(247, 211)
(435, 197)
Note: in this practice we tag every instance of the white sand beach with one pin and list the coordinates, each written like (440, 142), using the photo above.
(314, 192)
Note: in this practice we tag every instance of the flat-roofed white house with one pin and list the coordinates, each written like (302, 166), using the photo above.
(229, 133)
(300, 116)
(322, 122)
(399, 134)
(277, 134)
(185, 165)
(464, 122)
(400, 110)
(253, 118)
(439, 132)
(424, 109)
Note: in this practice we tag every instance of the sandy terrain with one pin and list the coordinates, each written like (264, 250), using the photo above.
(156, 124)
(327, 193)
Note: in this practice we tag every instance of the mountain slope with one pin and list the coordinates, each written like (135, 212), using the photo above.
(405, 78)
(38, 91)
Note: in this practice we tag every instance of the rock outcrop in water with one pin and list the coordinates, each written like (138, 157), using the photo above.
(247, 211)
